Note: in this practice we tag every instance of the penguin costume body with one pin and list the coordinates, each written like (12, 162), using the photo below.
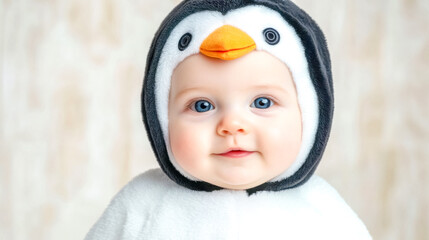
(170, 203)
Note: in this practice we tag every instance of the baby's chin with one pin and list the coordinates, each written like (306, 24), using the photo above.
(238, 183)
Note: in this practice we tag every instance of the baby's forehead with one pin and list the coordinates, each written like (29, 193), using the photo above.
(256, 69)
(257, 72)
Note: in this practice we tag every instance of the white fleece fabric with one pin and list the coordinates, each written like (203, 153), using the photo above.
(153, 207)
(251, 20)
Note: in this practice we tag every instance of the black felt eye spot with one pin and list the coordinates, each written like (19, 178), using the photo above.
(271, 35)
(184, 41)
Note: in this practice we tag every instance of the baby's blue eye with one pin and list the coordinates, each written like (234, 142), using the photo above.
(262, 102)
(202, 106)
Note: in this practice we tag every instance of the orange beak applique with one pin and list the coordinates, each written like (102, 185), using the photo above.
(227, 43)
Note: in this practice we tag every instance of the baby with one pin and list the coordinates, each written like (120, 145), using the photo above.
(237, 103)
(234, 124)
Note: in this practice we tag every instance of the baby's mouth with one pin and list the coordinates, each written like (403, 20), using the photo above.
(236, 153)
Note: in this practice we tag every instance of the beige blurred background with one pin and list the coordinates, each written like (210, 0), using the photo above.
(71, 133)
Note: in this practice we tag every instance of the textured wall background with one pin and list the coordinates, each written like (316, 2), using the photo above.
(71, 133)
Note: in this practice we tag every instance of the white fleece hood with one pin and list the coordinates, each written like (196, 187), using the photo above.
(295, 40)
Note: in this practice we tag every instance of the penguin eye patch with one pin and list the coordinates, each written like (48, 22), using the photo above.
(271, 35)
(184, 41)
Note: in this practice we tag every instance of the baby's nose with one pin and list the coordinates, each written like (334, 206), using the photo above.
(232, 124)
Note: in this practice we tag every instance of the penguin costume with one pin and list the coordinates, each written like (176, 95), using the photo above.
(169, 203)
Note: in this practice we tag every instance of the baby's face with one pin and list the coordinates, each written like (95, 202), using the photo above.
(235, 124)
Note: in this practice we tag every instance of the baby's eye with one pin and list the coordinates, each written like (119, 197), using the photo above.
(262, 102)
(201, 106)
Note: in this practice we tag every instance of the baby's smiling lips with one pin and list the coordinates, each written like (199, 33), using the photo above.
(236, 153)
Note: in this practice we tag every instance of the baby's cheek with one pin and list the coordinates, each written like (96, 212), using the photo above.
(283, 143)
(186, 147)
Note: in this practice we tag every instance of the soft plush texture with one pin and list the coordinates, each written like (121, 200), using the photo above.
(168, 203)
(302, 48)
(153, 207)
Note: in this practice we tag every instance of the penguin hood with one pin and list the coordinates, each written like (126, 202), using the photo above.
(278, 27)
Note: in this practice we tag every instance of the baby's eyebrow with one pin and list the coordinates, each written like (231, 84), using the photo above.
(269, 87)
(264, 87)
(188, 90)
